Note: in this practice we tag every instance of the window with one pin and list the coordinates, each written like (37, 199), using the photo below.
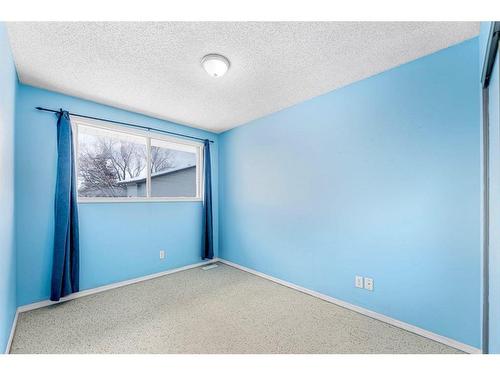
(121, 164)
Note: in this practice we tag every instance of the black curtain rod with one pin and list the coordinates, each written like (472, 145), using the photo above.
(126, 124)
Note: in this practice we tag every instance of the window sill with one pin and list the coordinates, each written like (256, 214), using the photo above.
(137, 200)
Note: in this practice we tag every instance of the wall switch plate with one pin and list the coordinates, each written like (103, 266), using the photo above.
(368, 283)
(162, 254)
(358, 281)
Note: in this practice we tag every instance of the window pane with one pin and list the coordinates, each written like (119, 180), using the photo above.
(173, 169)
(111, 164)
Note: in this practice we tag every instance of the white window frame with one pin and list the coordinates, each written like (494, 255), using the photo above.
(148, 135)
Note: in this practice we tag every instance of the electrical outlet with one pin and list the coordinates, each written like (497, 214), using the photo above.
(162, 254)
(358, 281)
(368, 283)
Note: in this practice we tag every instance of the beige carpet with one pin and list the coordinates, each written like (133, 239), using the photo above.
(222, 310)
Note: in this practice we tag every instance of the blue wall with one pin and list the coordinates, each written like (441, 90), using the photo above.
(484, 33)
(8, 85)
(380, 178)
(119, 241)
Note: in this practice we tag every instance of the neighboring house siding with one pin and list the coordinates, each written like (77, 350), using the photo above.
(136, 190)
(180, 183)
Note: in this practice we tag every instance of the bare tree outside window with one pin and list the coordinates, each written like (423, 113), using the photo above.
(161, 159)
(106, 159)
(97, 176)
(114, 164)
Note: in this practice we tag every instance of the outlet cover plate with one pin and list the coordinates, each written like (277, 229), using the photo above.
(368, 283)
(358, 281)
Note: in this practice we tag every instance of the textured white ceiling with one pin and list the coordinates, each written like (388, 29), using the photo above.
(154, 68)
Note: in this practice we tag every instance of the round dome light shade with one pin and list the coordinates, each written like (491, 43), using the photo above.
(215, 65)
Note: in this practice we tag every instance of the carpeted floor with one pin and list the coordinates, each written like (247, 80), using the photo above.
(222, 310)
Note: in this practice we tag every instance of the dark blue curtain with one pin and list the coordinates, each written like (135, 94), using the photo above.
(65, 266)
(208, 240)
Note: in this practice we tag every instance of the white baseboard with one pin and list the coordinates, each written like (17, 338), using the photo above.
(411, 328)
(12, 330)
(83, 293)
(372, 314)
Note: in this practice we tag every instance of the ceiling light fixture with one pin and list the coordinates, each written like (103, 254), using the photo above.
(215, 65)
